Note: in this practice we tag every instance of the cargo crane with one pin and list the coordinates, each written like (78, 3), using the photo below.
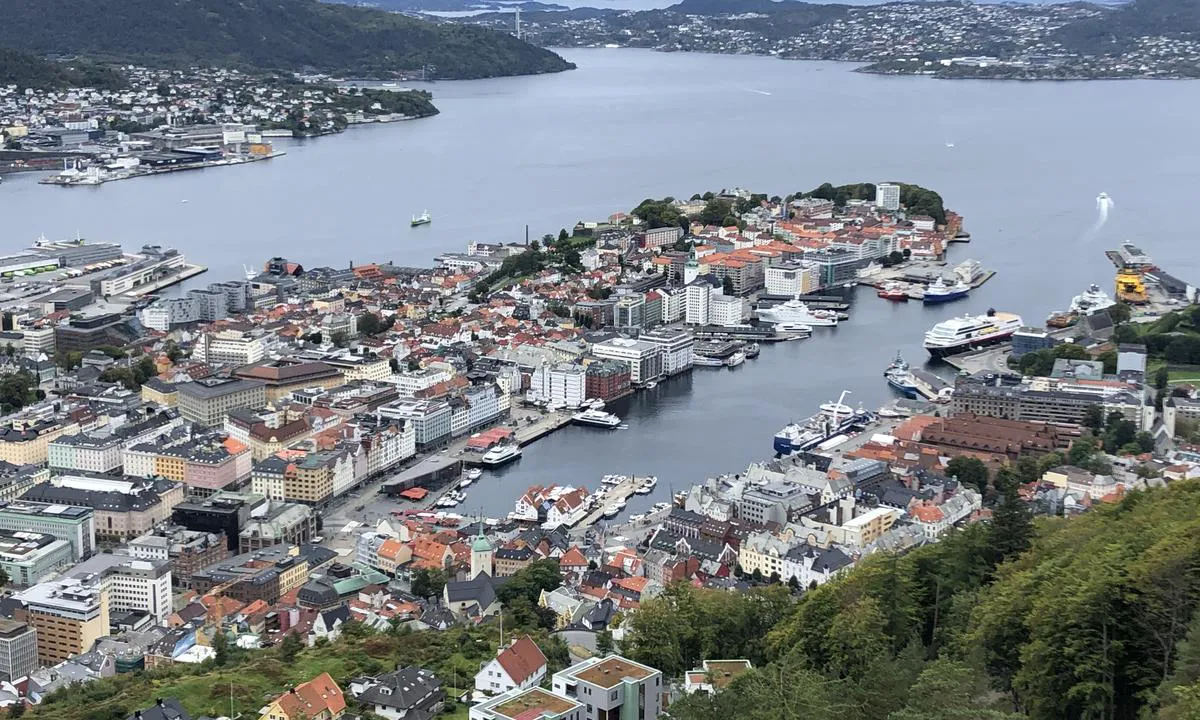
(1131, 287)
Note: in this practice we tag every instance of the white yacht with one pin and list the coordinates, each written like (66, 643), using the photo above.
(736, 359)
(596, 404)
(474, 474)
(1092, 301)
(501, 454)
(789, 328)
(797, 311)
(598, 418)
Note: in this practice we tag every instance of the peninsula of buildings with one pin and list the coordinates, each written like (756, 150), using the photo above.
(947, 40)
(184, 475)
(169, 120)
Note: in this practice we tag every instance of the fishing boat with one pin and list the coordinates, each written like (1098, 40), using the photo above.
(893, 291)
(423, 219)
(834, 419)
(900, 378)
(941, 291)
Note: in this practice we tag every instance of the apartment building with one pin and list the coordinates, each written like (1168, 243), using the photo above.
(645, 359)
(68, 615)
(677, 346)
(261, 575)
(207, 401)
(85, 452)
(26, 441)
(16, 479)
(612, 688)
(562, 384)
(230, 347)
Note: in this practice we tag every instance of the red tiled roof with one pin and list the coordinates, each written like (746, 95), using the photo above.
(521, 659)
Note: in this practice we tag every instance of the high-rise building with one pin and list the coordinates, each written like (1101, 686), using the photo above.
(69, 616)
(18, 649)
(887, 196)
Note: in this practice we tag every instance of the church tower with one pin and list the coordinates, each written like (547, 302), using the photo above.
(482, 553)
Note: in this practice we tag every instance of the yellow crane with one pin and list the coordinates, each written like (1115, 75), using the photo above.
(1131, 287)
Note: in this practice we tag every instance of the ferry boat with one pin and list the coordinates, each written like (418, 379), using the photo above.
(501, 454)
(834, 419)
(899, 378)
(598, 418)
(797, 311)
(736, 359)
(893, 291)
(941, 291)
(423, 219)
(647, 487)
(968, 332)
(706, 361)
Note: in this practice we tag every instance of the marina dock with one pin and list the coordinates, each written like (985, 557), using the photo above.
(614, 494)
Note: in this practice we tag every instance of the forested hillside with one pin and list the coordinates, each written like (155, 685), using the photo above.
(272, 34)
(25, 70)
(1095, 620)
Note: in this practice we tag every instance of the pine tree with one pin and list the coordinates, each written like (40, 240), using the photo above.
(1012, 523)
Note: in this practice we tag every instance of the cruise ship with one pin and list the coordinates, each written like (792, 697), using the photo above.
(501, 454)
(796, 311)
(941, 291)
(834, 419)
(969, 332)
(900, 379)
(597, 417)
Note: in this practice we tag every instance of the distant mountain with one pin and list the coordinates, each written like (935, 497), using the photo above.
(25, 71)
(453, 5)
(268, 34)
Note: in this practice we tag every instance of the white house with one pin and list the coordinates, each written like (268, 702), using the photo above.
(520, 665)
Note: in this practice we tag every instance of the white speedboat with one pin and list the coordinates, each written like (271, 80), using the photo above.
(647, 487)
(736, 359)
(651, 385)
(465, 482)
(596, 404)
(611, 511)
(501, 454)
(474, 474)
(598, 418)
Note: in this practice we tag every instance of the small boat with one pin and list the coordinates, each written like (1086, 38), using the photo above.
(611, 511)
(659, 507)
(474, 474)
(596, 404)
(891, 411)
(636, 518)
(752, 351)
(423, 219)
(893, 291)
(465, 482)
(736, 359)
(651, 385)
(647, 487)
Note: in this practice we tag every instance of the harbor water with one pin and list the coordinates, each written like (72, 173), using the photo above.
(1026, 164)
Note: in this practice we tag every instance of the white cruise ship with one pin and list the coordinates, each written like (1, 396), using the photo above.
(968, 332)
(597, 417)
(501, 454)
(796, 311)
